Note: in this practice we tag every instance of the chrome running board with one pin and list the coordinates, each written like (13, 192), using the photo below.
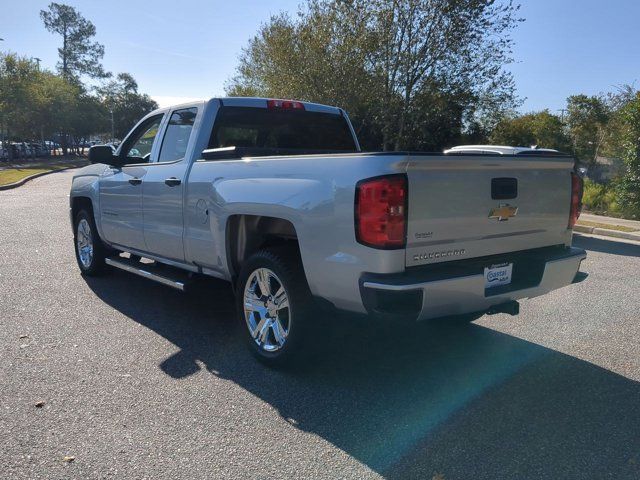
(146, 270)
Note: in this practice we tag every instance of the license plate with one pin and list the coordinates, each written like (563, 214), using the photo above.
(497, 275)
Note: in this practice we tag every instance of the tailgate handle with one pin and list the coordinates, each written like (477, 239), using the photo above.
(504, 188)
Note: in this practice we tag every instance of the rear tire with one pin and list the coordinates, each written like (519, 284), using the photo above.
(90, 251)
(275, 306)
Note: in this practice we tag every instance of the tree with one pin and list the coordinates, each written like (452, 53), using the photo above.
(34, 103)
(542, 129)
(588, 121)
(79, 55)
(120, 97)
(384, 60)
(87, 118)
(16, 102)
(628, 187)
(55, 101)
(459, 45)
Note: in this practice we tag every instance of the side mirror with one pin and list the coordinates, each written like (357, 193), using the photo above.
(103, 154)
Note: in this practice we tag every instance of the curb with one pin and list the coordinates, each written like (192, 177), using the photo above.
(607, 232)
(19, 183)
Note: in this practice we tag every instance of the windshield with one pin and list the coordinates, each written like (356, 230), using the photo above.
(281, 129)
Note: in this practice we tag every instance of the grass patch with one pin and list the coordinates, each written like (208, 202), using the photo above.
(12, 175)
(620, 228)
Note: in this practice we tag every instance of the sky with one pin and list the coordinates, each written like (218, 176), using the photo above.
(181, 50)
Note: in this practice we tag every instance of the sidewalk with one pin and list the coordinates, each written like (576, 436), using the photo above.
(608, 226)
(589, 217)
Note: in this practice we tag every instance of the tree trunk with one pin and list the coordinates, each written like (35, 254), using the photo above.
(7, 141)
(65, 67)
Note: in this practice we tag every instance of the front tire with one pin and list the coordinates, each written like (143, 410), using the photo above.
(90, 251)
(275, 306)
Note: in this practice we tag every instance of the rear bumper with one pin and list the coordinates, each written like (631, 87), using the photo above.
(456, 288)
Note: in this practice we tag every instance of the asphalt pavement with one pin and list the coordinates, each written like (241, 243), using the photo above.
(119, 377)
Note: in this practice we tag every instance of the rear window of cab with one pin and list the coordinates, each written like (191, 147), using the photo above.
(256, 127)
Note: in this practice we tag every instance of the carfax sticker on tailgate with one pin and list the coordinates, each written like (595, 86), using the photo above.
(497, 275)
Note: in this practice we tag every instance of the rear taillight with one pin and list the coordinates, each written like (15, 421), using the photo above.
(285, 105)
(576, 199)
(381, 211)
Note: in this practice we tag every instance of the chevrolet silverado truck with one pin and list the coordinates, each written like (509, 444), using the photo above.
(276, 197)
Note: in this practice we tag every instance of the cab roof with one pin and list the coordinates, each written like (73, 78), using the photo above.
(255, 102)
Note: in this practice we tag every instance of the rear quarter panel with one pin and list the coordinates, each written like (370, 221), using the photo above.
(315, 193)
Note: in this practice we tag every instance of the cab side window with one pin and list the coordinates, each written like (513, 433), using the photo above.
(177, 135)
(137, 148)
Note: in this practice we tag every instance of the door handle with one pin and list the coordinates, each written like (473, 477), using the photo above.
(135, 181)
(173, 181)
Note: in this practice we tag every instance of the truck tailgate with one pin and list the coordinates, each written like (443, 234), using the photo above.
(472, 206)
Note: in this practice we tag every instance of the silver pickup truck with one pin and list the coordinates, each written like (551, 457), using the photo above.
(276, 197)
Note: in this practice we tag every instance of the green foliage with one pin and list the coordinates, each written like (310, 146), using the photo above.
(89, 116)
(628, 187)
(587, 121)
(542, 129)
(600, 198)
(37, 104)
(121, 98)
(33, 102)
(15, 91)
(411, 73)
(78, 54)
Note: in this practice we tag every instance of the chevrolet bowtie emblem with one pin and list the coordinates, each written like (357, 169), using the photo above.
(503, 212)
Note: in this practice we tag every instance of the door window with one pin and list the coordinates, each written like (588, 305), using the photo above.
(137, 148)
(177, 135)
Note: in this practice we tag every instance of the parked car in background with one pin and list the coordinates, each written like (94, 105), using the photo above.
(18, 150)
(36, 149)
(50, 144)
(25, 150)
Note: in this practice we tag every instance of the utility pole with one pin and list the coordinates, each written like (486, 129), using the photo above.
(38, 60)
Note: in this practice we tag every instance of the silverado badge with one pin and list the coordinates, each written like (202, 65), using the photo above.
(504, 212)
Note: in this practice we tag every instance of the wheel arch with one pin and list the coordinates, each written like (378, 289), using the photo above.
(83, 202)
(79, 203)
(247, 234)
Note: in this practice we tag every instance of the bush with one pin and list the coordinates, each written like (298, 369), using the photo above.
(628, 188)
(600, 198)
(628, 191)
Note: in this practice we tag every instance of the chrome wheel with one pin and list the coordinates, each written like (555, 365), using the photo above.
(84, 242)
(266, 310)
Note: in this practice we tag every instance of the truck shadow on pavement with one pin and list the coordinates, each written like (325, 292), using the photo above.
(463, 401)
(607, 246)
